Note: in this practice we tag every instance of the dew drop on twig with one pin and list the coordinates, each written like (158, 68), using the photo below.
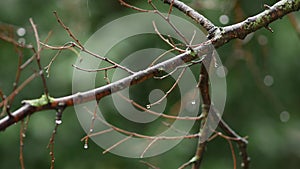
(58, 122)
(85, 146)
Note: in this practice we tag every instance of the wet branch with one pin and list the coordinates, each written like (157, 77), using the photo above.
(218, 38)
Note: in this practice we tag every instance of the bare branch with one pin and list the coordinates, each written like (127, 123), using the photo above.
(219, 38)
(204, 22)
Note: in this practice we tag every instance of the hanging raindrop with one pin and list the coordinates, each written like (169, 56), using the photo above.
(58, 121)
(85, 146)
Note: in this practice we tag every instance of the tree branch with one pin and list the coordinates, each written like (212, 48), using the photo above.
(204, 22)
(217, 39)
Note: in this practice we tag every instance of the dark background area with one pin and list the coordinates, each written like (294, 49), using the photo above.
(263, 95)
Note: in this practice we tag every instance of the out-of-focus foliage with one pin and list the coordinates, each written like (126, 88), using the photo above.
(263, 87)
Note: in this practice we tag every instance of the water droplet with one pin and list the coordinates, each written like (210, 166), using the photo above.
(285, 116)
(85, 146)
(23, 135)
(224, 19)
(193, 102)
(268, 80)
(91, 130)
(21, 32)
(148, 106)
(58, 122)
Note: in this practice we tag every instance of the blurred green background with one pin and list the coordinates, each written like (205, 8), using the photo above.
(263, 96)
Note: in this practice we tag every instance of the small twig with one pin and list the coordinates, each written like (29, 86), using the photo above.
(37, 54)
(22, 135)
(269, 28)
(68, 30)
(170, 9)
(18, 73)
(147, 148)
(81, 47)
(164, 39)
(242, 143)
(172, 25)
(193, 62)
(51, 147)
(5, 105)
(133, 7)
(158, 114)
(233, 154)
(204, 22)
(148, 164)
(95, 70)
(133, 134)
(12, 41)
(173, 128)
(160, 56)
(28, 61)
(97, 133)
(65, 46)
(91, 127)
(18, 89)
(185, 165)
(169, 91)
(116, 144)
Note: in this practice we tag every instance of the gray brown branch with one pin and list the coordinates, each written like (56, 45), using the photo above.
(218, 38)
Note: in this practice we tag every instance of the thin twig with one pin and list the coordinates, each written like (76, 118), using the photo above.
(95, 70)
(133, 7)
(156, 113)
(116, 144)
(148, 164)
(147, 148)
(68, 30)
(147, 109)
(97, 133)
(242, 143)
(160, 56)
(164, 39)
(233, 154)
(37, 52)
(19, 88)
(169, 91)
(204, 22)
(133, 134)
